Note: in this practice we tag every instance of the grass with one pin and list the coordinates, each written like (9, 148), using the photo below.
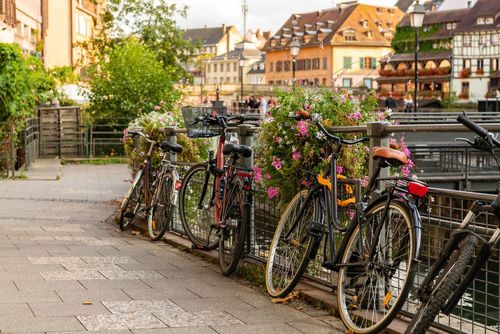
(95, 161)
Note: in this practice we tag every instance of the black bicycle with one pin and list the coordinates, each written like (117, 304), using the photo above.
(379, 248)
(451, 274)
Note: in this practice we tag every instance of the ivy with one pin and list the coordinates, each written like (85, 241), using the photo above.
(404, 40)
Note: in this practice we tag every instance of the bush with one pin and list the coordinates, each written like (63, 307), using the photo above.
(288, 148)
(152, 124)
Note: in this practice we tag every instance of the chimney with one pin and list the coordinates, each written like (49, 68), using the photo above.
(223, 27)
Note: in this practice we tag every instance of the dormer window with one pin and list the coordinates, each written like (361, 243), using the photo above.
(391, 11)
(379, 10)
(369, 34)
(448, 26)
(488, 20)
(480, 20)
(307, 38)
(389, 24)
(388, 34)
(363, 23)
(485, 20)
(321, 36)
(283, 41)
(273, 43)
(349, 35)
(330, 23)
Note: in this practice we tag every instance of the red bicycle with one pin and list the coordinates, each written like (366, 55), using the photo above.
(221, 217)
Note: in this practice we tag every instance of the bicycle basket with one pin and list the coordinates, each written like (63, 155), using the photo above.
(200, 129)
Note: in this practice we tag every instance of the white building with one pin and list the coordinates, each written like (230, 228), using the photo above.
(476, 51)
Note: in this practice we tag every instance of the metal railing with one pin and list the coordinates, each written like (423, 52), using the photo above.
(479, 309)
(443, 117)
(31, 142)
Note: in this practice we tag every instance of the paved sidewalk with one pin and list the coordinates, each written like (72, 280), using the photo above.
(44, 170)
(62, 269)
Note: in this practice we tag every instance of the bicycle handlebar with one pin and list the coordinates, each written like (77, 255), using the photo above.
(479, 130)
(139, 133)
(316, 119)
(223, 120)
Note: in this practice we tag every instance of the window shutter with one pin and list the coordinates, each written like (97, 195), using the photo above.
(361, 63)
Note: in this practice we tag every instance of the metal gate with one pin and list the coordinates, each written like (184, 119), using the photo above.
(61, 132)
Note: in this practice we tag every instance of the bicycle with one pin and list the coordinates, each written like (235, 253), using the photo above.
(226, 210)
(158, 195)
(449, 277)
(379, 247)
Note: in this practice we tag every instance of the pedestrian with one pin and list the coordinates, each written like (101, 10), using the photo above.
(262, 107)
(408, 103)
(252, 103)
(390, 103)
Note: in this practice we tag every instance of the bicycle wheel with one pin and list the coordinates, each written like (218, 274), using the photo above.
(197, 222)
(370, 292)
(444, 286)
(160, 213)
(233, 230)
(288, 257)
(131, 202)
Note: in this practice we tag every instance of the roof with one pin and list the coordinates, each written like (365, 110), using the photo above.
(404, 4)
(437, 17)
(206, 36)
(237, 53)
(401, 57)
(330, 22)
(482, 8)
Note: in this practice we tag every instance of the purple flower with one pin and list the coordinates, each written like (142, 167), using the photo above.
(354, 116)
(340, 169)
(277, 163)
(296, 155)
(272, 192)
(303, 128)
(257, 174)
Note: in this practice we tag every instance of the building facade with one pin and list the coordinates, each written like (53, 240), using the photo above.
(435, 54)
(7, 21)
(29, 26)
(476, 52)
(340, 47)
(66, 24)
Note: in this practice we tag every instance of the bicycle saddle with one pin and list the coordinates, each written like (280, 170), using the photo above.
(243, 150)
(392, 156)
(168, 146)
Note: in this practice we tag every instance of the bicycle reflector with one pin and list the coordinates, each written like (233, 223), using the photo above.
(417, 189)
(178, 185)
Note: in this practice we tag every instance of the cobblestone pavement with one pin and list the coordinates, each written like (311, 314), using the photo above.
(62, 269)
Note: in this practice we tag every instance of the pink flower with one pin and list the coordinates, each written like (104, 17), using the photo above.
(354, 116)
(308, 107)
(277, 139)
(268, 176)
(305, 183)
(157, 108)
(303, 128)
(272, 192)
(367, 149)
(364, 182)
(277, 163)
(257, 174)
(296, 155)
(350, 213)
(340, 169)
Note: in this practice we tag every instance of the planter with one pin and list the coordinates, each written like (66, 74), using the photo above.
(465, 73)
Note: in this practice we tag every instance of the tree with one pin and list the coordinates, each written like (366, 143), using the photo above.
(131, 81)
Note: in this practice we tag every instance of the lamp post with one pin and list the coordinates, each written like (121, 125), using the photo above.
(241, 63)
(294, 51)
(417, 20)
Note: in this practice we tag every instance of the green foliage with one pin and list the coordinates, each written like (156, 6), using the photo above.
(131, 81)
(153, 125)
(286, 147)
(24, 84)
(64, 75)
(404, 39)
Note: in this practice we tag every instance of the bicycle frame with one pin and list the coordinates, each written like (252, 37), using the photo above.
(456, 237)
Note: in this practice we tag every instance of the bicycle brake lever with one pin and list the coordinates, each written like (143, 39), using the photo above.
(465, 140)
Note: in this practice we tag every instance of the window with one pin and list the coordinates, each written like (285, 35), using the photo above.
(466, 63)
(350, 35)
(488, 20)
(308, 64)
(480, 64)
(347, 82)
(19, 29)
(454, 25)
(315, 64)
(228, 67)
(448, 26)
(389, 24)
(83, 25)
(494, 64)
(222, 67)
(235, 79)
(368, 83)
(483, 40)
(348, 63)
(465, 88)
(215, 80)
(373, 63)
(235, 67)
(208, 68)
(221, 80)
(215, 68)
(271, 66)
(286, 66)
(325, 63)
(467, 40)
(369, 34)
(494, 39)
(279, 66)
(480, 20)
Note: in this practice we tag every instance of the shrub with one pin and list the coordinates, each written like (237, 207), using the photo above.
(290, 153)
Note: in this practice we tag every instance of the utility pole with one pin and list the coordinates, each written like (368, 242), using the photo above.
(244, 8)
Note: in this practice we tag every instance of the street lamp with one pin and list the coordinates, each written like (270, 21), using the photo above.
(416, 21)
(294, 51)
(241, 62)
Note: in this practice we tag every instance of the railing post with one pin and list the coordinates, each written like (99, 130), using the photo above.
(378, 137)
(12, 152)
(171, 137)
(246, 137)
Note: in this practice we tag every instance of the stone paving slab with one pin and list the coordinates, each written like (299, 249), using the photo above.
(64, 270)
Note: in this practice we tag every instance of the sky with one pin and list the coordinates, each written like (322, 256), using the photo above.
(264, 14)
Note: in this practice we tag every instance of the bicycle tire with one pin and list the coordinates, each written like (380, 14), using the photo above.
(279, 286)
(197, 223)
(160, 213)
(132, 199)
(233, 231)
(445, 285)
(359, 287)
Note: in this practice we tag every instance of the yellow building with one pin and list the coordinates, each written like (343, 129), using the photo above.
(66, 23)
(340, 46)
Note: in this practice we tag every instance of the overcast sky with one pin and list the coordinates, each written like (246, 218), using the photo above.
(264, 14)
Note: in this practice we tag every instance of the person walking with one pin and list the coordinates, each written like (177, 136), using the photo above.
(262, 107)
(408, 103)
(390, 103)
